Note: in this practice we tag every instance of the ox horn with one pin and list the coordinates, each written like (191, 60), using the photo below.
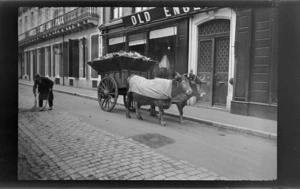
(202, 78)
(177, 74)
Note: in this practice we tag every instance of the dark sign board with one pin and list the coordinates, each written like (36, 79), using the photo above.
(158, 14)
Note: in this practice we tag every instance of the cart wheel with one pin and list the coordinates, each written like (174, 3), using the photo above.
(131, 106)
(107, 93)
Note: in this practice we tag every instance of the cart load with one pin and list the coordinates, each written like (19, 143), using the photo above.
(114, 69)
(118, 61)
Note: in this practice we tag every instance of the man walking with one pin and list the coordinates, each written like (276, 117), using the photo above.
(44, 86)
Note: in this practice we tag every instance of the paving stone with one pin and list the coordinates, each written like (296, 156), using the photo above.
(58, 146)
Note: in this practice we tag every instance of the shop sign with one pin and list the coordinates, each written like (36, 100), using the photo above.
(32, 32)
(158, 14)
(42, 28)
(62, 20)
(59, 21)
(21, 37)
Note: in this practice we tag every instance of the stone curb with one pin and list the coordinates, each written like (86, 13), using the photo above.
(202, 121)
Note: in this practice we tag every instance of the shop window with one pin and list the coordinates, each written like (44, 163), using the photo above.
(137, 43)
(117, 12)
(116, 44)
(163, 50)
(138, 48)
(116, 47)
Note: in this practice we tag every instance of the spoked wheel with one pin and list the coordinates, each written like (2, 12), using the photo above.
(131, 105)
(107, 93)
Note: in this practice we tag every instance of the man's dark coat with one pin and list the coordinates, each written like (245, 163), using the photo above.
(43, 88)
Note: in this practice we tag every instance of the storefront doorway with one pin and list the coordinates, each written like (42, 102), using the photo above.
(213, 61)
(163, 51)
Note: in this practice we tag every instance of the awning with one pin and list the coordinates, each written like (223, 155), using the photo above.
(137, 39)
(117, 40)
(165, 32)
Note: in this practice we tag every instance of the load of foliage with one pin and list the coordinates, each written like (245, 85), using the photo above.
(122, 60)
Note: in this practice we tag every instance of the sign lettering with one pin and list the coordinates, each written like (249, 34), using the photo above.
(59, 21)
(159, 13)
(32, 32)
(48, 25)
(42, 28)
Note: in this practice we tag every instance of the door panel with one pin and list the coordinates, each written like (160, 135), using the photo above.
(220, 86)
(213, 62)
(205, 59)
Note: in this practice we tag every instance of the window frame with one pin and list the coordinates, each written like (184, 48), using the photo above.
(119, 12)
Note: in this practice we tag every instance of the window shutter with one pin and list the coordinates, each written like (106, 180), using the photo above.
(75, 58)
(181, 55)
(242, 53)
(66, 58)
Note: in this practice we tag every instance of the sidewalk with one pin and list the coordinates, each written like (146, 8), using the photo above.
(218, 118)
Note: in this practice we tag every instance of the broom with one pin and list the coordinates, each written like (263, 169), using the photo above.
(34, 108)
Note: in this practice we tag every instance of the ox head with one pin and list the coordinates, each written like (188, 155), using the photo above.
(183, 82)
(196, 84)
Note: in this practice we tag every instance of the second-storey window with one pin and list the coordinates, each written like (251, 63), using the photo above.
(116, 12)
(139, 9)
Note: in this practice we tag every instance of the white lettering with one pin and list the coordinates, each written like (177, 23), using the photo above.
(197, 8)
(48, 25)
(186, 9)
(147, 16)
(133, 20)
(32, 32)
(59, 21)
(176, 10)
(141, 21)
(167, 12)
(42, 28)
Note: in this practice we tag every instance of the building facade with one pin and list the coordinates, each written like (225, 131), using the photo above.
(234, 50)
(57, 43)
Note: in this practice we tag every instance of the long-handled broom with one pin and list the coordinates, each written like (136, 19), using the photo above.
(34, 108)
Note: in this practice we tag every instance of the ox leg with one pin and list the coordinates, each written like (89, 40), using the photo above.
(161, 115)
(180, 109)
(137, 111)
(152, 110)
(129, 99)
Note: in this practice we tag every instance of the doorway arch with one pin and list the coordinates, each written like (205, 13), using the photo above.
(213, 61)
(196, 22)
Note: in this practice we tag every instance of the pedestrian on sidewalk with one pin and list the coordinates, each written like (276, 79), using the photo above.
(44, 86)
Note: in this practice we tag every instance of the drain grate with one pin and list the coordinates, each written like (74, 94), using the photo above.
(153, 140)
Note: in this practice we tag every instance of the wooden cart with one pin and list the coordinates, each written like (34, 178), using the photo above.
(114, 72)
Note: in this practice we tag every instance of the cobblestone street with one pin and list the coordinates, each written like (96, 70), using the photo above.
(58, 146)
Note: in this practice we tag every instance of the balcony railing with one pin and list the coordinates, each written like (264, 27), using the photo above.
(64, 22)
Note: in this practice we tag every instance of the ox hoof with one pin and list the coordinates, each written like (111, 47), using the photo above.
(163, 123)
(128, 116)
(139, 117)
(181, 122)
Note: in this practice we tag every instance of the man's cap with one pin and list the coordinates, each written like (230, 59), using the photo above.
(37, 76)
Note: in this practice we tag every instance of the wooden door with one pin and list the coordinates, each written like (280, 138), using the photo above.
(213, 61)
(220, 84)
